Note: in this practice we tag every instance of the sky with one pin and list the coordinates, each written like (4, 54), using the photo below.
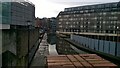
(51, 8)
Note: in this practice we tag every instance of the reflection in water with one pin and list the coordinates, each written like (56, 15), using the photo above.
(51, 38)
(62, 46)
(52, 50)
(77, 50)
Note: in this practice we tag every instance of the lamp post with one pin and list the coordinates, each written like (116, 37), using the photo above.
(116, 40)
(28, 28)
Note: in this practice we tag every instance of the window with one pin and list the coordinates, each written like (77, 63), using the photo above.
(59, 22)
(60, 26)
(104, 13)
(107, 5)
(81, 26)
(66, 22)
(61, 19)
(95, 26)
(81, 11)
(73, 22)
(88, 22)
(77, 22)
(117, 27)
(114, 5)
(118, 12)
(100, 13)
(114, 26)
(103, 22)
(81, 18)
(86, 11)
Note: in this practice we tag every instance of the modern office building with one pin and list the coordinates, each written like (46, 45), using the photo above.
(17, 14)
(99, 23)
(18, 36)
(100, 18)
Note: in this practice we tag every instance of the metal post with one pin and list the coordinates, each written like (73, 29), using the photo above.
(116, 40)
(117, 29)
(28, 24)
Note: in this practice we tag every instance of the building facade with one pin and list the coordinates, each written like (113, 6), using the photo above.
(52, 25)
(95, 26)
(38, 23)
(100, 18)
(17, 14)
(18, 36)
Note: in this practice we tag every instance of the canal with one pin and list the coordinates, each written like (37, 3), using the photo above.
(53, 45)
(62, 46)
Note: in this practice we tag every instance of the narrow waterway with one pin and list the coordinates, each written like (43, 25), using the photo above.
(62, 46)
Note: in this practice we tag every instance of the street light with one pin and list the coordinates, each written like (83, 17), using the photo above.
(28, 28)
(117, 29)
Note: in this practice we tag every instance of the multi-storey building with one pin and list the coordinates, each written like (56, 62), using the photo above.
(100, 23)
(18, 36)
(17, 14)
(100, 18)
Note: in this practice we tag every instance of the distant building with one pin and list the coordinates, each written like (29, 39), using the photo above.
(52, 25)
(38, 22)
(45, 23)
(94, 26)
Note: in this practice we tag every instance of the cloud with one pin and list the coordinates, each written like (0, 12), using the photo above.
(51, 8)
(81, 2)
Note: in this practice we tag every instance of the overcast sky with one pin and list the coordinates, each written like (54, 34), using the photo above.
(51, 8)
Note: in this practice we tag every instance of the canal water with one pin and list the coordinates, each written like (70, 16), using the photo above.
(62, 47)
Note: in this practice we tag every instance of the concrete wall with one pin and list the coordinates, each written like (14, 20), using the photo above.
(0, 48)
(16, 41)
(9, 41)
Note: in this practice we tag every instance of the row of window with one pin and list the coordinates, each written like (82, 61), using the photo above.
(90, 11)
(91, 14)
(95, 31)
(11, 14)
(100, 31)
(91, 26)
(99, 6)
(97, 23)
(91, 19)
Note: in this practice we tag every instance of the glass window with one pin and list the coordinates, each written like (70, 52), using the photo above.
(6, 12)
(107, 5)
(59, 22)
(114, 5)
(81, 26)
(104, 13)
(103, 22)
(66, 22)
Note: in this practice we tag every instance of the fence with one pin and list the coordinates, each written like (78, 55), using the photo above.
(109, 47)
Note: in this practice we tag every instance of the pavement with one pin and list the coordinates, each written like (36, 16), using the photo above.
(39, 59)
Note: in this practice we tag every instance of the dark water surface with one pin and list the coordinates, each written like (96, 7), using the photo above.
(62, 46)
